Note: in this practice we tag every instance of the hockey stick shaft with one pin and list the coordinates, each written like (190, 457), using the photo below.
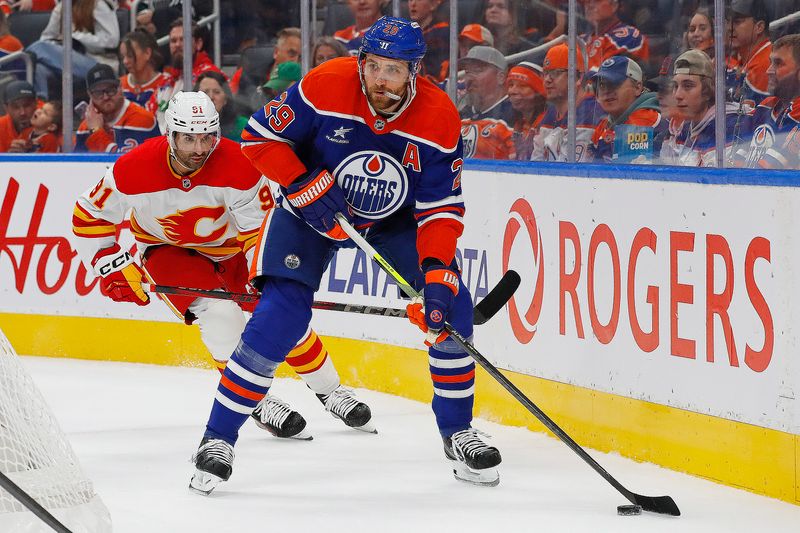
(486, 308)
(32, 505)
(659, 504)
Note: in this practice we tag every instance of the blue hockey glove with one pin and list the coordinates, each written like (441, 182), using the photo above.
(441, 288)
(318, 198)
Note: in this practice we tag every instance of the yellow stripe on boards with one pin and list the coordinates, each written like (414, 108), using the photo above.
(757, 459)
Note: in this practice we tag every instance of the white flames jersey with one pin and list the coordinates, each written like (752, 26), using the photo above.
(216, 210)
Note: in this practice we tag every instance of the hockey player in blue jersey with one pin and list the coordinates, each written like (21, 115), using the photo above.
(366, 137)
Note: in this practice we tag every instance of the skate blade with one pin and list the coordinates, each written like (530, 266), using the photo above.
(204, 483)
(369, 427)
(488, 477)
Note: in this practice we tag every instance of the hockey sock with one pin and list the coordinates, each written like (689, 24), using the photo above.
(453, 375)
(311, 362)
(245, 381)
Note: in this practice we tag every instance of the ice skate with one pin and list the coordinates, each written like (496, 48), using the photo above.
(275, 415)
(214, 464)
(473, 460)
(342, 404)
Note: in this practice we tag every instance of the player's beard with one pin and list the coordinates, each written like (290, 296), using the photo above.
(382, 103)
(190, 161)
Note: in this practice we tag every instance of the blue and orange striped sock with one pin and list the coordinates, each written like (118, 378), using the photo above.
(245, 381)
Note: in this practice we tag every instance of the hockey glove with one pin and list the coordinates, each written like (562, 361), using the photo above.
(441, 288)
(120, 278)
(318, 198)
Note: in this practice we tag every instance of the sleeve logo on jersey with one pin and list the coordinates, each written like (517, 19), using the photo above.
(194, 226)
(763, 139)
(374, 183)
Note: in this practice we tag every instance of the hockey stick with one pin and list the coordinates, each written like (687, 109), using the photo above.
(35, 507)
(485, 310)
(657, 504)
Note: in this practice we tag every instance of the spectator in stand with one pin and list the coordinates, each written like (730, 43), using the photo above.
(700, 33)
(487, 115)
(746, 80)
(505, 20)
(628, 133)
(8, 45)
(471, 35)
(286, 75)
(143, 61)
(527, 96)
(288, 46)
(775, 141)
(246, 88)
(551, 141)
(20, 104)
(112, 123)
(201, 62)
(9, 6)
(95, 38)
(547, 20)
(215, 85)
(326, 49)
(610, 36)
(436, 33)
(663, 87)
(692, 138)
(45, 131)
(366, 13)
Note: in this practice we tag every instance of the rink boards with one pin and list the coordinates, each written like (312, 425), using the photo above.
(655, 315)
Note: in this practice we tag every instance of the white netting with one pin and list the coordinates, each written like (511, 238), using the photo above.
(35, 454)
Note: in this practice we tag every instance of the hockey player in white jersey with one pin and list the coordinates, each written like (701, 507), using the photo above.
(196, 204)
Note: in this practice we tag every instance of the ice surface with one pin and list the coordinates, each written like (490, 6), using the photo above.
(134, 428)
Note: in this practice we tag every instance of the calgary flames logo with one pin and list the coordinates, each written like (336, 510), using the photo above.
(183, 227)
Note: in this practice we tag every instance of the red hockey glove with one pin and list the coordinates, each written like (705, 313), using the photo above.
(318, 198)
(441, 288)
(121, 278)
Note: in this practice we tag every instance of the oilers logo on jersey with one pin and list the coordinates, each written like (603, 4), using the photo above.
(469, 135)
(763, 139)
(374, 183)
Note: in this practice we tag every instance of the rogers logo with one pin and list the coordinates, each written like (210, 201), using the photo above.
(521, 215)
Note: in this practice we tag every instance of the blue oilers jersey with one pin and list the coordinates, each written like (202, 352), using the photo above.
(383, 165)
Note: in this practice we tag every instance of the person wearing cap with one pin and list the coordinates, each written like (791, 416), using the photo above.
(691, 140)
(20, 104)
(472, 35)
(551, 141)
(631, 110)
(527, 96)
(112, 123)
(436, 33)
(662, 86)
(285, 75)
(610, 36)
(487, 115)
(775, 123)
(746, 80)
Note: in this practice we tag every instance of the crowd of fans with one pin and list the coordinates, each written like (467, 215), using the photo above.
(644, 84)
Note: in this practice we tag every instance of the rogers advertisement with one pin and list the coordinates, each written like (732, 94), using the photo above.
(676, 293)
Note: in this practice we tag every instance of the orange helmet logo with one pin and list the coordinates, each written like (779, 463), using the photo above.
(181, 227)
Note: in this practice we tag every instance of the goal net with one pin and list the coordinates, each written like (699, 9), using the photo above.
(36, 456)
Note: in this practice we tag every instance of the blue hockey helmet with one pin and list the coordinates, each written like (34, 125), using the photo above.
(394, 38)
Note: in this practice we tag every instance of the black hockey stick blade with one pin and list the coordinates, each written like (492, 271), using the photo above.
(496, 299)
(656, 504)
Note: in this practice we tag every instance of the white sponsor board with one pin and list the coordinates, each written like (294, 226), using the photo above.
(676, 293)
